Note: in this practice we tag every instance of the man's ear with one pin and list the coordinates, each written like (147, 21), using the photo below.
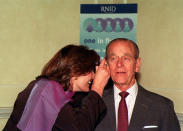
(138, 65)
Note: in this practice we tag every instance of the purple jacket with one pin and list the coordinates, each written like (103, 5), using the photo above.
(45, 101)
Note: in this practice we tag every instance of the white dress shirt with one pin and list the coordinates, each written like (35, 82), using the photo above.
(130, 100)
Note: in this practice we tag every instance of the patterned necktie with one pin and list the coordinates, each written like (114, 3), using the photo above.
(123, 113)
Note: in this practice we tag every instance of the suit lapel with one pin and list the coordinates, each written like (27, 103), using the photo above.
(140, 110)
(110, 117)
(109, 121)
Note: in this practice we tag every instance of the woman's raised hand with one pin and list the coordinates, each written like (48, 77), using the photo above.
(101, 77)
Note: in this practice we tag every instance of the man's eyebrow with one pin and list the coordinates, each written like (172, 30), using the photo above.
(127, 54)
(111, 54)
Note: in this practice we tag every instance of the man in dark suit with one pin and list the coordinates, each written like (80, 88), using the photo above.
(146, 111)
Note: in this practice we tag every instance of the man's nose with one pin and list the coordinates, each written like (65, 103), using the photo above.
(120, 62)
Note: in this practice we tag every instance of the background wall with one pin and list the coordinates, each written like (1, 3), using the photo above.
(32, 31)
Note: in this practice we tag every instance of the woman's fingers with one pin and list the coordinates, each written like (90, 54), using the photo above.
(101, 77)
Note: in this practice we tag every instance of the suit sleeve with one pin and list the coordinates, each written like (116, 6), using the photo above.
(84, 117)
(170, 121)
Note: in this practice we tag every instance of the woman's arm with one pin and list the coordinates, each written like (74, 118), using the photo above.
(92, 109)
(83, 116)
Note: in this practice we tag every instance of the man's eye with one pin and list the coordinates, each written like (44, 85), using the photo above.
(113, 58)
(126, 58)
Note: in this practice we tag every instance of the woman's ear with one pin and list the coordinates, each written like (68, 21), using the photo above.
(72, 81)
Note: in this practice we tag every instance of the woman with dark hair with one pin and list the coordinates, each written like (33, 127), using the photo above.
(60, 98)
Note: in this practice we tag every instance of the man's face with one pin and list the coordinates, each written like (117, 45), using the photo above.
(122, 63)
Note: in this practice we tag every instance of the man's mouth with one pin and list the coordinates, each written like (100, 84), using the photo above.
(120, 72)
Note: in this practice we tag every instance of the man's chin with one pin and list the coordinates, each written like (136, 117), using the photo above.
(120, 82)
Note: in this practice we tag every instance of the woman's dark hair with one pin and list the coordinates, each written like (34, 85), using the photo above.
(71, 60)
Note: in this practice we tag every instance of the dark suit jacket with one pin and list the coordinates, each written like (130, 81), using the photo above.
(83, 113)
(150, 109)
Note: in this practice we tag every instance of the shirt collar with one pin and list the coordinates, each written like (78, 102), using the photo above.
(132, 91)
